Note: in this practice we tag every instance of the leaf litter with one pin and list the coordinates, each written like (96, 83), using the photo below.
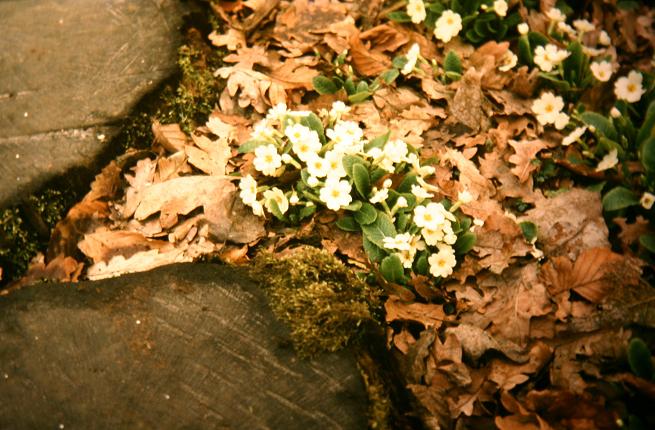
(523, 333)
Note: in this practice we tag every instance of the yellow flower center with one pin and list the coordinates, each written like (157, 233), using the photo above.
(268, 158)
(549, 108)
(450, 21)
(335, 193)
(632, 88)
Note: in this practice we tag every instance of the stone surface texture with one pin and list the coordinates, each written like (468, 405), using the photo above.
(186, 346)
(68, 68)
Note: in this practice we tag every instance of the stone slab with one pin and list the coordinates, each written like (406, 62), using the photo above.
(77, 64)
(185, 346)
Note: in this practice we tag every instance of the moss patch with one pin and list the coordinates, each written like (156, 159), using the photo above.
(322, 300)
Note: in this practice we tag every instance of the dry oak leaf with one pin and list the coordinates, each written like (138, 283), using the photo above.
(524, 157)
(476, 341)
(367, 61)
(469, 105)
(229, 219)
(210, 156)
(493, 166)
(521, 418)
(569, 223)
(429, 315)
(589, 276)
(233, 39)
(61, 269)
(509, 375)
(630, 232)
(138, 262)
(169, 136)
(385, 37)
(102, 244)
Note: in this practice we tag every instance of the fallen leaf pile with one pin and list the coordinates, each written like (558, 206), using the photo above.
(524, 335)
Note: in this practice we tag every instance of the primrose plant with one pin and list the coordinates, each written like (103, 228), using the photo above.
(305, 162)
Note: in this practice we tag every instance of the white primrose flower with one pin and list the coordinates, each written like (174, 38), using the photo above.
(399, 241)
(610, 160)
(334, 160)
(401, 202)
(443, 262)
(416, 11)
(566, 29)
(257, 208)
(523, 28)
(500, 7)
(317, 166)
(583, 26)
(277, 112)
(614, 112)
(601, 70)
(407, 256)
(448, 26)
(278, 196)
(548, 109)
(335, 194)
(395, 150)
(592, 52)
(267, 160)
(422, 171)
(305, 142)
(262, 131)
(347, 137)
(647, 200)
(629, 87)
(549, 56)
(287, 159)
(604, 38)
(431, 216)
(509, 60)
(379, 195)
(248, 187)
(464, 197)
(420, 192)
(555, 15)
(338, 109)
(573, 136)
(412, 58)
(312, 181)
(294, 199)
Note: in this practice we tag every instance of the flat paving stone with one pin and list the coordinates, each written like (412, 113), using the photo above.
(185, 346)
(75, 65)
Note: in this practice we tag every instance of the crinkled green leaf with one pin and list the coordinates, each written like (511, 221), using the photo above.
(347, 223)
(465, 243)
(392, 269)
(378, 230)
(324, 85)
(366, 215)
(361, 179)
(619, 198)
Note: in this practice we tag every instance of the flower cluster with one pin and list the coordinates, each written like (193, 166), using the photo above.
(304, 162)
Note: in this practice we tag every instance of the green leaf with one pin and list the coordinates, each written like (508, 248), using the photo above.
(374, 252)
(392, 269)
(307, 211)
(389, 76)
(349, 86)
(275, 209)
(435, 7)
(324, 85)
(407, 182)
(366, 215)
(354, 206)
(422, 265)
(377, 174)
(313, 122)
(362, 86)
(348, 161)
(359, 97)
(402, 220)
(648, 241)
(647, 154)
(574, 64)
(465, 243)
(347, 223)
(378, 230)
(647, 127)
(619, 198)
(453, 76)
(377, 142)
(639, 358)
(362, 180)
(529, 230)
(399, 16)
(537, 39)
(399, 62)
(452, 63)
(602, 124)
(250, 145)
(525, 52)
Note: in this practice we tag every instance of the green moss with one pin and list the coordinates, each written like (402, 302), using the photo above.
(323, 301)
(379, 400)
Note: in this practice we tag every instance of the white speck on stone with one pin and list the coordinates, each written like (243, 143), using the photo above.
(61, 21)
(6, 376)
(138, 322)
(143, 61)
(17, 156)
(61, 426)
(17, 178)
(101, 137)
(36, 337)
(167, 397)
(26, 114)
(150, 82)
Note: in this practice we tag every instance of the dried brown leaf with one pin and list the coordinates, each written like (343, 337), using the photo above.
(524, 157)
(169, 136)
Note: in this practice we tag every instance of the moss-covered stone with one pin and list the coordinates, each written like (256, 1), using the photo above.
(324, 302)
